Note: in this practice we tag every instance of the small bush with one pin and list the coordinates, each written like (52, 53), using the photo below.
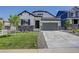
(76, 30)
(5, 35)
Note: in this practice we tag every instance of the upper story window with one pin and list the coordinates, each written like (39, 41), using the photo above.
(77, 13)
(72, 14)
(40, 14)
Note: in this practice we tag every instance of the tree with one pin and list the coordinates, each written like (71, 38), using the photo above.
(1, 24)
(14, 21)
(67, 24)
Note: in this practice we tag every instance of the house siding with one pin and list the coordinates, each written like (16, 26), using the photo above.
(26, 17)
(42, 17)
(45, 16)
(48, 21)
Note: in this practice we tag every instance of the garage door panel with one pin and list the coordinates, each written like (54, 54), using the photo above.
(49, 26)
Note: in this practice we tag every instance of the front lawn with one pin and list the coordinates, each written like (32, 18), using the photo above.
(20, 40)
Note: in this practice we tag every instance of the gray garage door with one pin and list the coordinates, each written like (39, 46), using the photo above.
(49, 26)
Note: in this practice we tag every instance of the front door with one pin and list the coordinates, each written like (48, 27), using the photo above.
(37, 24)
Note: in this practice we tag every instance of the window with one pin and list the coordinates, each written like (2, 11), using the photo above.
(28, 21)
(72, 14)
(77, 13)
(40, 14)
(23, 22)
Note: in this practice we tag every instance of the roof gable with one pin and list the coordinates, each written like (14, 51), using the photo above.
(28, 13)
(60, 13)
(25, 12)
(76, 8)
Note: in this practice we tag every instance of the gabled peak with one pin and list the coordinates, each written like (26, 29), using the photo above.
(25, 12)
(76, 8)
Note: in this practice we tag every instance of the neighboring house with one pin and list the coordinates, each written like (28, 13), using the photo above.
(38, 20)
(1, 23)
(71, 15)
(1, 20)
(6, 25)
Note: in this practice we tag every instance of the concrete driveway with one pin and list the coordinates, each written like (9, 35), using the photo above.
(59, 39)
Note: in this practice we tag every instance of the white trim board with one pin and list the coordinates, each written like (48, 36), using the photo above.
(72, 18)
(50, 21)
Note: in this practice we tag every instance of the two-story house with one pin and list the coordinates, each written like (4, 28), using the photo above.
(72, 15)
(38, 20)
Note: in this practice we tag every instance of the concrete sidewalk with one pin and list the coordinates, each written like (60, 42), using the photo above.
(54, 50)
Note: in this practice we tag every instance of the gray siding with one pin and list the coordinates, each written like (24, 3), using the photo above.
(26, 17)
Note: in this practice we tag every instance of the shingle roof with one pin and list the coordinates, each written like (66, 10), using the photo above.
(28, 13)
(75, 8)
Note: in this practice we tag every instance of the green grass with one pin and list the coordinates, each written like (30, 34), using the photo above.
(20, 40)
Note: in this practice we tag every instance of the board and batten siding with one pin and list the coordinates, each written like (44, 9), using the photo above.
(26, 16)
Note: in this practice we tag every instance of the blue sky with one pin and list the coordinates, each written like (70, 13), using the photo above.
(6, 11)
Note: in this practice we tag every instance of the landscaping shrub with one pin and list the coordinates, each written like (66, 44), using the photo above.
(75, 30)
(2, 36)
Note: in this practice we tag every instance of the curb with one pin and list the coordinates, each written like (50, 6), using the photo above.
(41, 41)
